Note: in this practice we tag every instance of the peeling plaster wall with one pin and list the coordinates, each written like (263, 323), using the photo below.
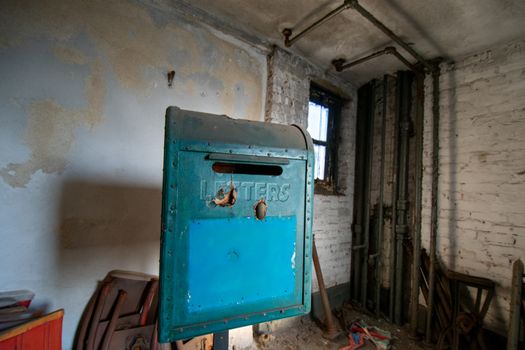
(83, 93)
(482, 169)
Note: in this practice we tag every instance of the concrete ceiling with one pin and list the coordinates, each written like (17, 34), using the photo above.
(446, 28)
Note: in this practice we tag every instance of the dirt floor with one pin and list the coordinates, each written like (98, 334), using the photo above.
(308, 336)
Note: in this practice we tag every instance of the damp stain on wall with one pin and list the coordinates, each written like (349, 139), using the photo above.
(70, 55)
(128, 35)
(51, 128)
(128, 43)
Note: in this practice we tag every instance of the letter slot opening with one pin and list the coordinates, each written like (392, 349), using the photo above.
(249, 169)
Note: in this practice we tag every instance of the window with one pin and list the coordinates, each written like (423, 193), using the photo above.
(323, 112)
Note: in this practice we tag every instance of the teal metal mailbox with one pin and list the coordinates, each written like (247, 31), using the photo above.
(236, 223)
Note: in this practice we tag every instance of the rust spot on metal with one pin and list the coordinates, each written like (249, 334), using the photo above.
(228, 199)
(260, 209)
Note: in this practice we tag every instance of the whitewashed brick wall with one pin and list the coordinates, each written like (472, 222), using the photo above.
(287, 102)
(482, 169)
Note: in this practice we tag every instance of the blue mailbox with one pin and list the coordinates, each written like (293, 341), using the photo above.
(236, 223)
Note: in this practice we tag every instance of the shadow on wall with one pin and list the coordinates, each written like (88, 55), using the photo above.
(106, 226)
(94, 214)
(102, 226)
(496, 308)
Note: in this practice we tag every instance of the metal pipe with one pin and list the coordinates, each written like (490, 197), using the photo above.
(401, 229)
(416, 241)
(221, 340)
(402, 58)
(287, 32)
(513, 336)
(341, 65)
(331, 329)
(393, 221)
(380, 226)
(363, 96)
(366, 198)
(354, 4)
(434, 201)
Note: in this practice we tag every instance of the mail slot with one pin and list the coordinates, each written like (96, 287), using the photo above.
(236, 223)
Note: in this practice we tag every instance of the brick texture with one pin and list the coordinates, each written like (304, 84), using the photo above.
(289, 78)
(482, 169)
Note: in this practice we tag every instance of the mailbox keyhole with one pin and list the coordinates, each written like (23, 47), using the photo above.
(260, 209)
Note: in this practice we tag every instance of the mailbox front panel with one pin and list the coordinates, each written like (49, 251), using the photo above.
(235, 263)
(226, 263)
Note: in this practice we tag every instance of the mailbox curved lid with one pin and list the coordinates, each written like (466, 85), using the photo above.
(191, 126)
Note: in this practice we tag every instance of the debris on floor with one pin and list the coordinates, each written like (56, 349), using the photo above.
(360, 332)
(307, 335)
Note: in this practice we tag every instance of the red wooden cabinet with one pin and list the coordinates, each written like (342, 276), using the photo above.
(43, 333)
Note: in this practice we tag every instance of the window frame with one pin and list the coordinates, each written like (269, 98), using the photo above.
(333, 103)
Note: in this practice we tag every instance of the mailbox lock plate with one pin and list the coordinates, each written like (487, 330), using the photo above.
(260, 209)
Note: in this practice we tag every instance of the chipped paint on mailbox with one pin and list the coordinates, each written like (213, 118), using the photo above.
(236, 223)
